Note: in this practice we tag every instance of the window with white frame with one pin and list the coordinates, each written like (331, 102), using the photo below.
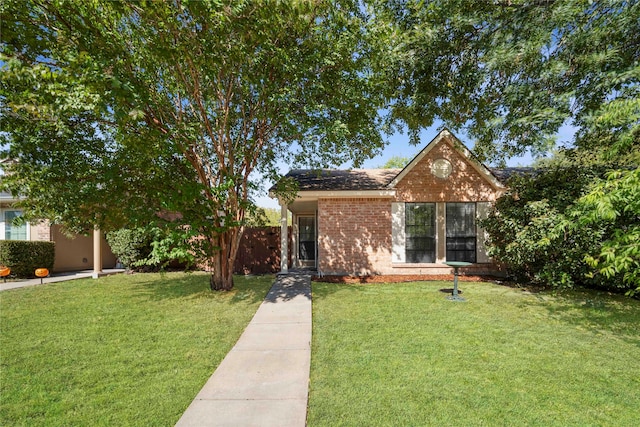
(461, 232)
(420, 232)
(11, 231)
(416, 229)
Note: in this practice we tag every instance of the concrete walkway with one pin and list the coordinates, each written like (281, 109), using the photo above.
(264, 379)
(58, 277)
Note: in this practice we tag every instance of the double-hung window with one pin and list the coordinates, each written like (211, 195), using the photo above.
(420, 232)
(461, 232)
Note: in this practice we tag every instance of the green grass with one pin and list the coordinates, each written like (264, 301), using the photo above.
(122, 350)
(403, 355)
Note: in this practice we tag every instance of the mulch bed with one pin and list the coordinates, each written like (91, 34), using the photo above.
(401, 278)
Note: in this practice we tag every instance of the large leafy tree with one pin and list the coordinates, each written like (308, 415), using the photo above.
(511, 73)
(117, 111)
(570, 225)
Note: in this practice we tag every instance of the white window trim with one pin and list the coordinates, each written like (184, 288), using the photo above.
(441, 235)
(398, 236)
(2, 224)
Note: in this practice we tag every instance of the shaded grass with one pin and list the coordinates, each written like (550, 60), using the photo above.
(402, 354)
(122, 350)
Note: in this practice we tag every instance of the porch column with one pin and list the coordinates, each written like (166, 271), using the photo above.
(284, 239)
(97, 253)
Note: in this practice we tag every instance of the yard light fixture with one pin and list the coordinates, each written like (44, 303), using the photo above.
(4, 272)
(42, 273)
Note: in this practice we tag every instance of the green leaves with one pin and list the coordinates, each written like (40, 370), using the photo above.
(571, 226)
(512, 73)
(616, 203)
(116, 111)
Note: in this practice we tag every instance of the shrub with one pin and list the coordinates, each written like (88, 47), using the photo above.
(570, 227)
(614, 203)
(150, 249)
(130, 246)
(171, 248)
(23, 257)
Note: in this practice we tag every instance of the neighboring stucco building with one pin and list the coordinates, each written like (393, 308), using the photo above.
(392, 221)
(72, 253)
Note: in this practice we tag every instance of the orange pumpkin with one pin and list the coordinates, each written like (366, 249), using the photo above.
(42, 272)
(5, 271)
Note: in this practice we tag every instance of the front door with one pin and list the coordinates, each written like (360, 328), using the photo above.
(307, 241)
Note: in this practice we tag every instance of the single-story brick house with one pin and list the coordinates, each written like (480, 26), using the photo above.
(392, 221)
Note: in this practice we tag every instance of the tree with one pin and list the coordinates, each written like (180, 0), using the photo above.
(396, 162)
(511, 73)
(530, 230)
(170, 106)
(263, 217)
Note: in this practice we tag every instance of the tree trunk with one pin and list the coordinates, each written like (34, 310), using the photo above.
(221, 282)
(223, 259)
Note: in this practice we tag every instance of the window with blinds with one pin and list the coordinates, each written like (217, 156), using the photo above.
(420, 232)
(461, 232)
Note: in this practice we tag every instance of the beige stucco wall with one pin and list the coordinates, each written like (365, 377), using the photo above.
(72, 253)
(40, 231)
(76, 253)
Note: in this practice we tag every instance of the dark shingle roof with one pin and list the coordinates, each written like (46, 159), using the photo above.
(503, 174)
(368, 179)
(355, 179)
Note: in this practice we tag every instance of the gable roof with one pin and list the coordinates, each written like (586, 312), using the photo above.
(387, 179)
(446, 136)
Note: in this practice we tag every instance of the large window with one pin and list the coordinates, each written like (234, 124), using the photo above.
(461, 232)
(13, 232)
(420, 232)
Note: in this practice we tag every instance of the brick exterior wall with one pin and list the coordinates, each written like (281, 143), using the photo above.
(464, 184)
(354, 236)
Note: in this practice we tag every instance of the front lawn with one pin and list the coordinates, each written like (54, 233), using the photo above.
(403, 355)
(121, 350)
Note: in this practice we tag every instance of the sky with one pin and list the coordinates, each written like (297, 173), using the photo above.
(398, 145)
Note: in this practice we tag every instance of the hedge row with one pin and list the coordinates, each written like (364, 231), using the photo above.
(24, 257)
